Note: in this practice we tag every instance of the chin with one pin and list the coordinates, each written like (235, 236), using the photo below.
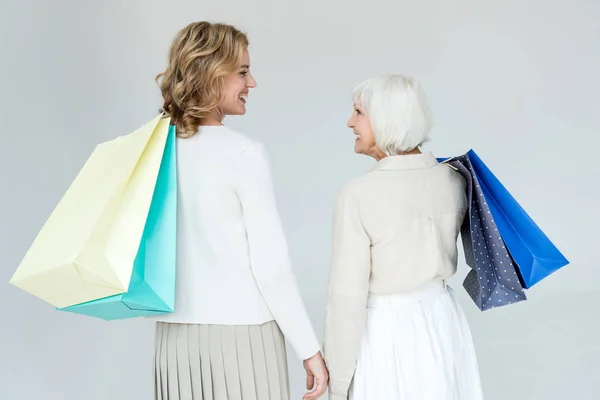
(235, 111)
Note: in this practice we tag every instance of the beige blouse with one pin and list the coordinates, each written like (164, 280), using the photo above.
(395, 229)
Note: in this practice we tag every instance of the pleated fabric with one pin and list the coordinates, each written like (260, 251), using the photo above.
(417, 347)
(220, 362)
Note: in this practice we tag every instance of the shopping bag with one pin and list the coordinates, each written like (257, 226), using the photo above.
(493, 280)
(534, 253)
(152, 285)
(87, 247)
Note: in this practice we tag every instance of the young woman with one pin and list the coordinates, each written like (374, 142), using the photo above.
(393, 329)
(236, 295)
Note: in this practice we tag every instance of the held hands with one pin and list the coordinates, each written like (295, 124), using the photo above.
(316, 377)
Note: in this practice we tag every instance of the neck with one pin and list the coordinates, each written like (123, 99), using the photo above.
(377, 154)
(413, 151)
(215, 118)
(210, 122)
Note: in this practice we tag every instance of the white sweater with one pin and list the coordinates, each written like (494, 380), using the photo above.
(233, 266)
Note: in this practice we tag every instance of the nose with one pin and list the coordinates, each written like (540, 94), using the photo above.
(350, 123)
(251, 82)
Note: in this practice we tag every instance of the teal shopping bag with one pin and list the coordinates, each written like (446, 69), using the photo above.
(152, 287)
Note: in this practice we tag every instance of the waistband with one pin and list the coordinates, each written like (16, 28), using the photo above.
(428, 291)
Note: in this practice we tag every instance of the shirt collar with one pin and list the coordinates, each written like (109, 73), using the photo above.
(404, 162)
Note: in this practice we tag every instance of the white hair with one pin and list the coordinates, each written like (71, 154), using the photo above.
(398, 110)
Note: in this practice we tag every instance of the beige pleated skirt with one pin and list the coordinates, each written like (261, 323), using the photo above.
(219, 362)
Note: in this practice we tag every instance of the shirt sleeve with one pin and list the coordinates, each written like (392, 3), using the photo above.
(347, 294)
(269, 257)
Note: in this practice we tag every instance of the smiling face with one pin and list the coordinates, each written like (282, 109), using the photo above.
(236, 88)
(361, 126)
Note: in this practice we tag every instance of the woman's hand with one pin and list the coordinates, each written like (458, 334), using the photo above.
(316, 377)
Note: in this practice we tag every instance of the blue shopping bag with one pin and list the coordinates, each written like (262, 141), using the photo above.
(493, 280)
(534, 253)
(151, 290)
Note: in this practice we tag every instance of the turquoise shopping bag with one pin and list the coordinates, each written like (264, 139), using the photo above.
(152, 287)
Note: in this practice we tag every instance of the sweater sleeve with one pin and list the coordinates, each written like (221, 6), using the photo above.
(347, 294)
(268, 250)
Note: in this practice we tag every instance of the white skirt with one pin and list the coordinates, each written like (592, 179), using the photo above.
(416, 346)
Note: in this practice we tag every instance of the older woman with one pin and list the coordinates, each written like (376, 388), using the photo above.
(393, 329)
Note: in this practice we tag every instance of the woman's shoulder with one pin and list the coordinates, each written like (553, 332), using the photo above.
(246, 151)
(353, 188)
(236, 142)
(451, 176)
(230, 136)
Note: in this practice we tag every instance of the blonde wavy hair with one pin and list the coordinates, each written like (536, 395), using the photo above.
(192, 85)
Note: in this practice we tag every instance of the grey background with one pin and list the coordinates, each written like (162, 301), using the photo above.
(514, 80)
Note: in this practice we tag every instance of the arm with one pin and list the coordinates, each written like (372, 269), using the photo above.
(269, 256)
(347, 295)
